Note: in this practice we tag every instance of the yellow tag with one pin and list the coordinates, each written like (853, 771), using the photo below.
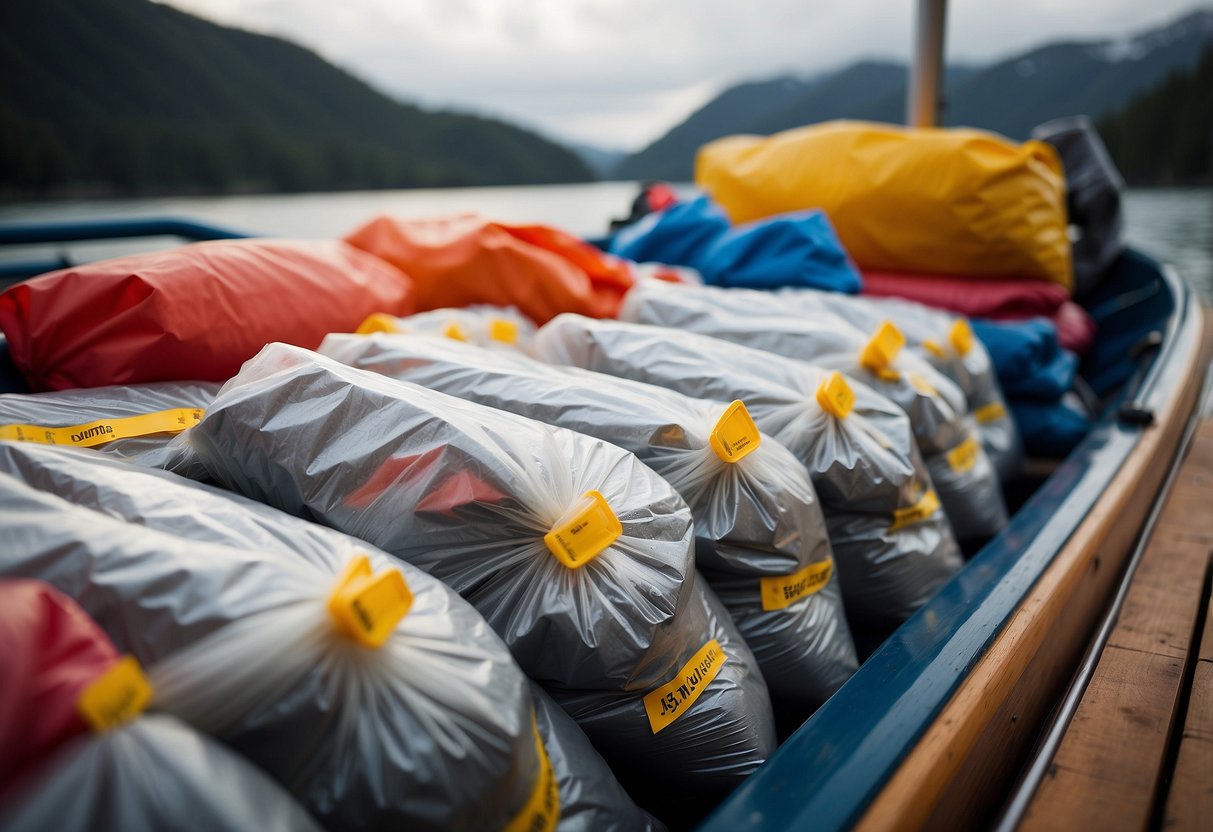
(590, 528)
(368, 607)
(503, 330)
(882, 350)
(961, 337)
(926, 506)
(674, 698)
(934, 348)
(920, 384)
(542, 809)
(735, 434)
(836, 396)
(106, 430)
(378, 322)
(784, 590)
(964, 456)
(991, 412)
(118, 695)
(453, 331)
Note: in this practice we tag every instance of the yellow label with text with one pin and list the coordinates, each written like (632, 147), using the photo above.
(882, 350)
(454, 331)
(675, 697)
(735, 434)
(961, 337)
(964, 456)
(991, 412)
(591, 526)
(503, 331)
(836, 396)
(378, 322)
(542, 809)
(926, 506)
(367, 607)
(116, 696)
(782, 591)
(101, 431)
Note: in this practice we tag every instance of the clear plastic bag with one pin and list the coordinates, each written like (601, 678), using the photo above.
(138, 422)
(226, 604)
(946, 342)
(491, 504)
(967, 483)
(758, 523)
(485, 326)
(894, 548)
(591, 799)
(153, 773)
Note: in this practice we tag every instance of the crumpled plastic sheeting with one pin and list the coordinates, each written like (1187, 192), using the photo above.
(67, 408)
(153, 773)
(467, 493)
(865, 467)
(973, 371)
(970, 491)
(756, 517)
(224, 602)
(591, 799)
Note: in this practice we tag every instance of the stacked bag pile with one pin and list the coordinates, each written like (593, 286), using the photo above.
(893, 544)
(370, 691)
(760, 536)
(577, 555)
(80, 755)
(945, 431)
(438, 576)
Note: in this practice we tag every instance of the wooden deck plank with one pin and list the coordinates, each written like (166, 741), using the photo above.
(1110, 768)
(1190, 800)
(965, 762)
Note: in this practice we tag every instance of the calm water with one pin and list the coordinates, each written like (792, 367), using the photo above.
(1175, 225)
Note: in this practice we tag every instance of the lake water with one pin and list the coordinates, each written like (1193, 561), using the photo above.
(1175, 225)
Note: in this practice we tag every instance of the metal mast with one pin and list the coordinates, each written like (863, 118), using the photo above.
(924, 98)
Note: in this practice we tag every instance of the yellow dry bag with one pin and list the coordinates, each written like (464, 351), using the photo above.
(936, 201)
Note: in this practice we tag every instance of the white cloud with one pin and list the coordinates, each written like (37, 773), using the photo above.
(621, 72)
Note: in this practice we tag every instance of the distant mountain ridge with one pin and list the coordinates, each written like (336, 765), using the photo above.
(1010, 96)
(132, 97)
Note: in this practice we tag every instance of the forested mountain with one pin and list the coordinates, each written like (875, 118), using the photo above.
(1009, 97)
(1165, 136)
(132, 97)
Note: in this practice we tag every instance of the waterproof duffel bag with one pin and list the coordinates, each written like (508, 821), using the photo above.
(932, 200)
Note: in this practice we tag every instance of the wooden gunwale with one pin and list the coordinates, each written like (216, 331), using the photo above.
(958, 772)
(1114, 758)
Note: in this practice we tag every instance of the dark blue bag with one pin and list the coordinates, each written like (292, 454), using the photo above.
(798, 249)
(1050, 429)
(1028, 358)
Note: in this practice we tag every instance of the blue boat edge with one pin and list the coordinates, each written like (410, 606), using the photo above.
(847, 765)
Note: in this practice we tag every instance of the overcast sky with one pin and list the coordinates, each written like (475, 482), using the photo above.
(619, 73)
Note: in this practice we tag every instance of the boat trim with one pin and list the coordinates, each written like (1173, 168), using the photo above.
(1043, 756)
(925, 697)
